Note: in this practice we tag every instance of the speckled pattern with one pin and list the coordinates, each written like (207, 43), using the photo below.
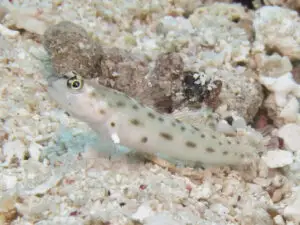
(82, 187)
(139, 127)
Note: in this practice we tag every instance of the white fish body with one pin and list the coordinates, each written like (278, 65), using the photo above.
(141, 128)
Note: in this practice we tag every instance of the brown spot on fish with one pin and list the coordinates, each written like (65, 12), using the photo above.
(135, 107)
(210, 150)
(220, 143)
(135, 122)
(178, 121)
(112, 124)
(166, 136)
(151, 115)
(92, 94)
(173, 124)
(101, 111)
(242, 155)
(203, 135)
(144, 139)
(225, 153)
(120, 104)
(213, 137)
(190, 144)
(182, 128)
(161, 119)
(229, 142)
(196, 128)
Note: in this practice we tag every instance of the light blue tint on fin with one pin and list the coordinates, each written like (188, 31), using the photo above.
(107, 142)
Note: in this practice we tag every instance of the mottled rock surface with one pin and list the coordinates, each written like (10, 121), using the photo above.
(70, 48)
(163, 87)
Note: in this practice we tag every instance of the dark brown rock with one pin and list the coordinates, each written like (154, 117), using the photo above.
(71, 49)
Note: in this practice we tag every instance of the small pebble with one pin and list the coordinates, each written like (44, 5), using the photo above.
(14, 149)
(142, 212)
(278, 180)
(7, 32)
(35, 150)
(290, 133)
(292, 210)
(278, 158)
(278, 220)
(277, 195)
(239, 123)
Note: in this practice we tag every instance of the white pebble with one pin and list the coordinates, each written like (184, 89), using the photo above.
(278, 158)
(44, 187)
(14, 148)
(35, 150)
(219, 209)
(8, 181)
(290, 223)
(202, 192)
(278, 220)
(292, 210)
(290, 111)
(282, 87)
(33, 207)
(278, 180)
(7, 32)
(290, 133)
(262, 181)
(161, 219)
(142, 212)
(239, 123)
(171, 23)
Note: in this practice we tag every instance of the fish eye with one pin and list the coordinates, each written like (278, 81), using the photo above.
(75, 83)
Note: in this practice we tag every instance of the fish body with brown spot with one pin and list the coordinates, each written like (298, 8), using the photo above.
(141, 128)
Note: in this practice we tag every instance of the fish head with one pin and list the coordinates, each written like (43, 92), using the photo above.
(77, 96)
